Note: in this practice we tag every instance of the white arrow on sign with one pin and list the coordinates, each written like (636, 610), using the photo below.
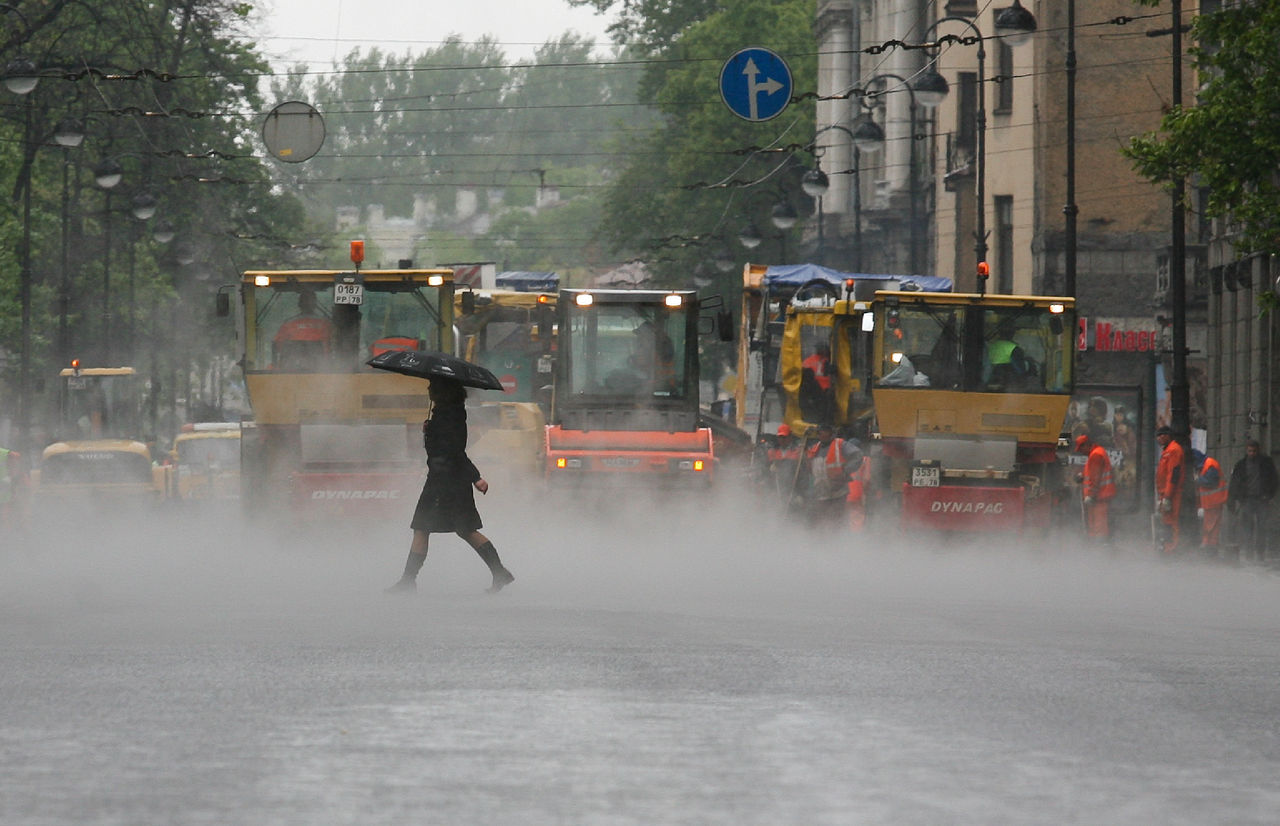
(753, 88)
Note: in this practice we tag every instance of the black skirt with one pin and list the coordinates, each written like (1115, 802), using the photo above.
(446, 506)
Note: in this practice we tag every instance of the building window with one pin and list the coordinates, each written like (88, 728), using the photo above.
(1004, 86)
(1004, 243)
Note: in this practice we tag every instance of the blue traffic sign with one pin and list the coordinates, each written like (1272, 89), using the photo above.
(755, 84)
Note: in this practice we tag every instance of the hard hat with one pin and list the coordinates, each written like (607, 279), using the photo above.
(1082, 441)
(784, 429)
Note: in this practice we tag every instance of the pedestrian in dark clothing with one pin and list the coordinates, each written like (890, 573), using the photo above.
(1253, 485)
(447, 504)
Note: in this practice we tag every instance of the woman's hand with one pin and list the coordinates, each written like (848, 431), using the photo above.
(481, 485)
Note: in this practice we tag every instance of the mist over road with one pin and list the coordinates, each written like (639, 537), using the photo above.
(654, 662)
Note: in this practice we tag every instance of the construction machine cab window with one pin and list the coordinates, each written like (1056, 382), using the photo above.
(299, 328)
(101, 407)
(626, 350)
(209, 454)
(1006, 349)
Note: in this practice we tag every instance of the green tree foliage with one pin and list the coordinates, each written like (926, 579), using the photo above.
(459, 134)
(650, 24)
(702, 172)
(169, 91)
(1229, 140)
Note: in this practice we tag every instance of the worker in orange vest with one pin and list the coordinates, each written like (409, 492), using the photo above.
(1169, 487)
(1097, 487)
(828, 480)
(857, 467)
(304, 341)
(1211, 487)
(784, 458)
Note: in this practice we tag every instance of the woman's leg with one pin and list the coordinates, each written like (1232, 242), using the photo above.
(501, 576)
(417, 556)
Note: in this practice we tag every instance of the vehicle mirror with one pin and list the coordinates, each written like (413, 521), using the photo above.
(222, 305)
(468, 302)
(724, 323)
(1055, 325)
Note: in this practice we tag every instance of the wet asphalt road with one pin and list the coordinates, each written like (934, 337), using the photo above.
(669, 665)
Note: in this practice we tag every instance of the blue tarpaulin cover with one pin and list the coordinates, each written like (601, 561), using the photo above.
(529, 282)
(796, 275)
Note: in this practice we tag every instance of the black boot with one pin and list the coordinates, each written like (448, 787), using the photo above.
(501, 576)
(408, 583)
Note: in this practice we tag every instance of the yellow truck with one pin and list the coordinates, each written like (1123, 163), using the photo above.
(98, 454)
(206, 459)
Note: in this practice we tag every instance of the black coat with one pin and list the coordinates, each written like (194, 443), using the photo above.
(447, 504)
(1253, 479)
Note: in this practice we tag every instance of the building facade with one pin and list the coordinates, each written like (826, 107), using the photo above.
(1006, 114)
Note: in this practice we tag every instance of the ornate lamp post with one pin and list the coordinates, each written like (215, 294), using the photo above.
(21, 76)
(869, 137)
(107, 175)
(815, 184)
(1016, 25)
(69, 134)
(782, 215)
(143, 209)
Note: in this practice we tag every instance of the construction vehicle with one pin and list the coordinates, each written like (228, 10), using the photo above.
(625, 407)
(512, 333)
(785, 312)
(970, 393)
(206, 458)
(959, 443)
(329, 434)
(98, 455)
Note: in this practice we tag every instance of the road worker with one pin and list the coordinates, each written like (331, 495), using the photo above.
(1169, 478)
(1097, 489)
(1211, 491)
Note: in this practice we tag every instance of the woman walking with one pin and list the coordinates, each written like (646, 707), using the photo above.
(447, 504)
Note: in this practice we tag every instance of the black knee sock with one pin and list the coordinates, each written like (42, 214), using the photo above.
(413, 564)
(490, 556)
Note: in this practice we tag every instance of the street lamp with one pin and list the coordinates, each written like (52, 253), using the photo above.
(162, 232)
(869, 137)
(782, 215)
(69, 134)
(143, 209)
(107, 175)
(1016, 25)
(21, 76)
(815, 184)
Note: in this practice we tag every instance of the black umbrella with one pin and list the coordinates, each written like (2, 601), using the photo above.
(435, 366)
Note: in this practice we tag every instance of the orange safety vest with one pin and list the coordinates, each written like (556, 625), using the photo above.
(1098, 482)
(858, 481)
(1170, 466)
(390, 343)
(833, 462)
(1213, 497)
(820, 367)
(782, 454)
(304, 328)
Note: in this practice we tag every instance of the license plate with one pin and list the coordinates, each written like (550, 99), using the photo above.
(925, 477)
(620, 461)
(348, 293)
